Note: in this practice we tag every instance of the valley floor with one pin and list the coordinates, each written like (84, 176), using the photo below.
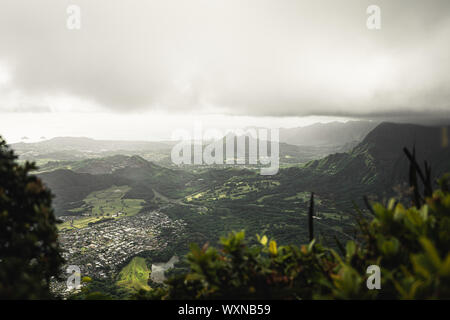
(100, 250)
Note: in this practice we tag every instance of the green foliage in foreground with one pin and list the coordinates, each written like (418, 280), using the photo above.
(29, 250)
(410, 245)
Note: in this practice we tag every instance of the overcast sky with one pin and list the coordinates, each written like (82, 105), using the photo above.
(152, 63)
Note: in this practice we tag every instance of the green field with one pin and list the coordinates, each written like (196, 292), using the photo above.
(134, 276)
(108, 203)
(233, 189)
(304, 197)
(265, 197)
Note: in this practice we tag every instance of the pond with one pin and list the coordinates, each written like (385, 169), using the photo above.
(159, 268)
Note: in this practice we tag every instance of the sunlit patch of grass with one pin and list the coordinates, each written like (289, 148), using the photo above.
(134, 276)
(108, 203)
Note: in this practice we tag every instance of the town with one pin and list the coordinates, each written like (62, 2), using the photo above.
(100, 249)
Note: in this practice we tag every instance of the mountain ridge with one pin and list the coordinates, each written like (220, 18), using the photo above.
(378, 163)
(326, 134)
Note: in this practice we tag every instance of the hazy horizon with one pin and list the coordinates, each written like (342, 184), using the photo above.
(139, 128)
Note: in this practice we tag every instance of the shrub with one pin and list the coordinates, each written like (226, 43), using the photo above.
(410, 245)
(29, 250)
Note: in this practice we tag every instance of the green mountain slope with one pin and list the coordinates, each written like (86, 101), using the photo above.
(70, 188)
(376, 165)
(328, 134)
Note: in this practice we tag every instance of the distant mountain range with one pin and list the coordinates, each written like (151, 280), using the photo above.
(374, 167)
(297, 145)
(319, 134)
(89, 145)
(328, 134)
(377, 164)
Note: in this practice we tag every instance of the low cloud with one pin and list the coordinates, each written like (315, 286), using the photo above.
(246, 57)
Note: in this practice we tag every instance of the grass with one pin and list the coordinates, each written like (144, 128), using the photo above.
(304, 197)
(134, 276)
(233, 190)
(265, 197)
(110, 201)
(107, 203)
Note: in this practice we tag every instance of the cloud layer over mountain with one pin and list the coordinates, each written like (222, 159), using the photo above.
(240, 57)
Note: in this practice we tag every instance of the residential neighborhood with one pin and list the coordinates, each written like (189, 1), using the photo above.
(99, 249)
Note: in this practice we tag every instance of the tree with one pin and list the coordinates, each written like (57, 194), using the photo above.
(29, 251)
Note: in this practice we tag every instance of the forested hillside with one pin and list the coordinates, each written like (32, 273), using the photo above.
(377, 164)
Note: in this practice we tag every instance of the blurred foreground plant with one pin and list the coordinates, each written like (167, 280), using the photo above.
(29, 250)
(410, 244)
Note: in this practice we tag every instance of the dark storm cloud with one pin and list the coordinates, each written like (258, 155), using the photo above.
(246, 57)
